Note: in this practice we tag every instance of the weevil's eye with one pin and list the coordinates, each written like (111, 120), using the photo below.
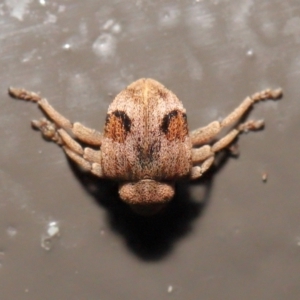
(174, 125)
(146, 196)
(117, 126)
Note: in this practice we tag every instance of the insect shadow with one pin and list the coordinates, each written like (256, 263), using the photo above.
(151, 238)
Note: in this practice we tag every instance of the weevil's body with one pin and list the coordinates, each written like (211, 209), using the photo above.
(146, 145)
(146, 135)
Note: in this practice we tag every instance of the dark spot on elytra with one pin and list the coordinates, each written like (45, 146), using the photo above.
(167, 119)
(174, 125)
(117, 126)
(125, 119)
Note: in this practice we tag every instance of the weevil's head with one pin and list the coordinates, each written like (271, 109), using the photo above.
(147, 196)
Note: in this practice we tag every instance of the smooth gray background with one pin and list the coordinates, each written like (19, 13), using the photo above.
(230, 236)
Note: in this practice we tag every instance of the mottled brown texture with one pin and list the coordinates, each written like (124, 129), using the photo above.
(146, 197)
(146, 145)
(147, 191)
(147, 153)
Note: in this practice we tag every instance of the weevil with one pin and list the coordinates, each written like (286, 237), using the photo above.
(146, 145)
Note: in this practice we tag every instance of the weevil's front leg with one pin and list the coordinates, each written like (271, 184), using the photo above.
(205, 134)
(82, 133)
(205, 155)
(86, 158)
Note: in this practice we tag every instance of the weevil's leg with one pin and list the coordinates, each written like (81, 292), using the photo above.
(198, 171)
(205, 154)
(207, 133)
(82, 133)
(86, 158)
(225, 141)
(201, 154)
(86, 134)
(94, 168)
(56, 117)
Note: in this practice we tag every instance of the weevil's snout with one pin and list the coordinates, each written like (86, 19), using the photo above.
(146, 196)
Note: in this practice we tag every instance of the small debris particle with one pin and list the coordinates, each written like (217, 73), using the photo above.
(52, 233)
(53, 229)
(264, 176)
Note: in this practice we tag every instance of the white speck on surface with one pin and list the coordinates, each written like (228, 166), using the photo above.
(105, 46)
(298, 241)
(43, 2)
(73, 42)
(250, 53)
(11, 231)
(116, 28)
(18, 8)
(53, 229)
(66, 46)
(170, 289)
(48, 239)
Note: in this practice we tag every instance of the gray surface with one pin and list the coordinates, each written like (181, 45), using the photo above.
(244, 244)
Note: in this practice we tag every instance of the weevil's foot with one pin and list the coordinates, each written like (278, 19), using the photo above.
(48, 130)
(277, 94)
(251, 125)
(23, 94)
